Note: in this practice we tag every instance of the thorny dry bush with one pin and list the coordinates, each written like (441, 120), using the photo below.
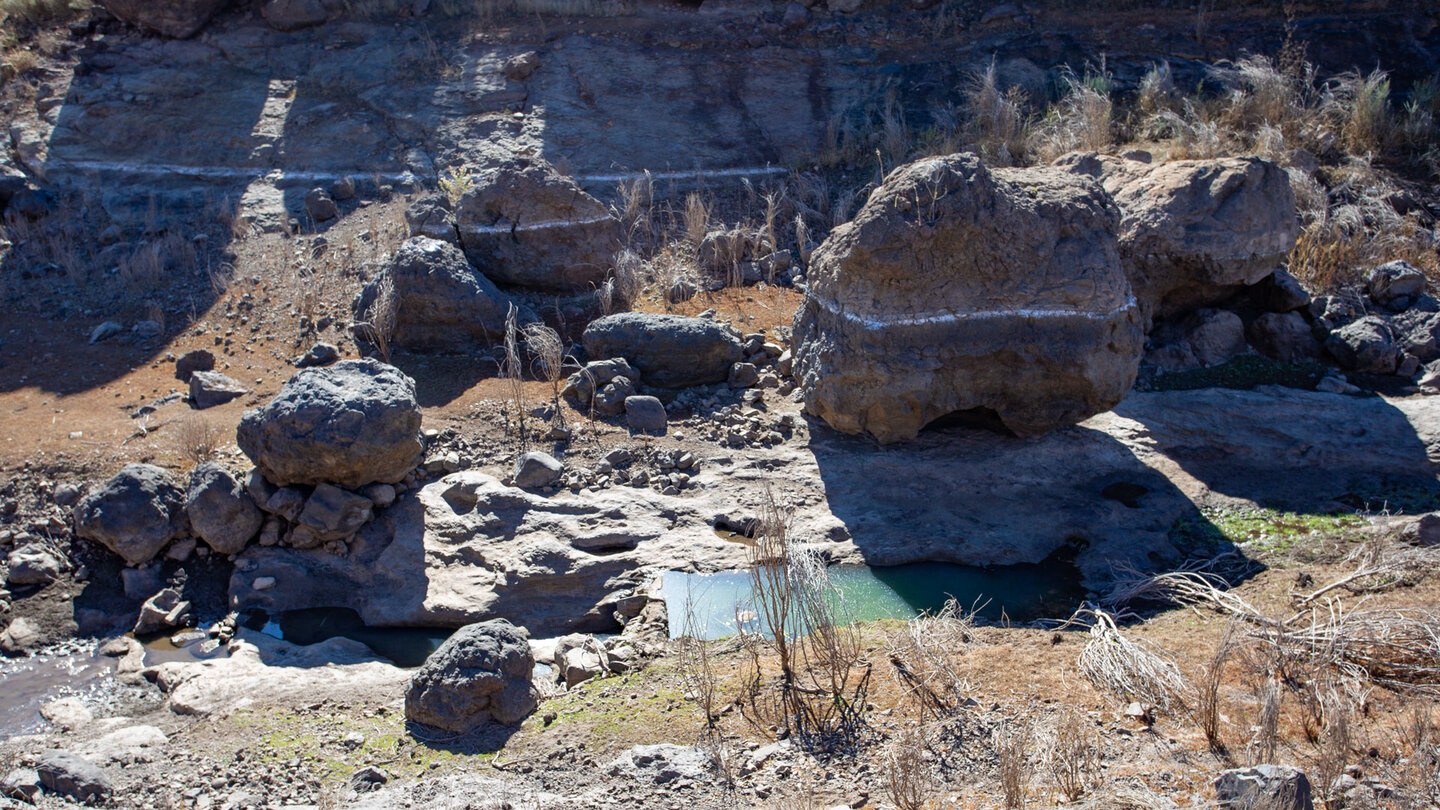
(197, 439)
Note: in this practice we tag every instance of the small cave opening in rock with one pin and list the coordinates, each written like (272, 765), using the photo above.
(981, 418)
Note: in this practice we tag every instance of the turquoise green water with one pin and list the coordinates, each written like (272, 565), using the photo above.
(1019, 593)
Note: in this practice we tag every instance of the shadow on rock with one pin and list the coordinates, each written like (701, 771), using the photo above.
(1297, 451)
(971, 496)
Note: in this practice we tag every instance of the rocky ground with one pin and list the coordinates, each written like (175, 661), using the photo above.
(239, 199)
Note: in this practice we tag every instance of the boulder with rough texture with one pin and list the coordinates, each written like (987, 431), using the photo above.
(481, 673)
(537, 469)
(351, 424)
(958, 288)
(321, 354)
(583, 384)
(32, 564)
(1395, 283)
(662, 763)
(211, 388)
(671, 351)
(135, 514)
(221, 512)
(1283, 336)
(330, 513)
(193, 361)
(70, 774)
(441, 302)
(1366, 346)
(580, 657)
(524, 223)
(1275, 787)
(173, 18)
(162, 612)
(645, 414)
(431, 216)
(1193, 231)
(1204, 338)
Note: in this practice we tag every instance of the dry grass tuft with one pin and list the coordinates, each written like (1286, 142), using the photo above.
(198, 439)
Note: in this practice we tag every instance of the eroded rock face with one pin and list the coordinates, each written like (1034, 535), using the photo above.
(671, 351)
(350, 424)
(173, 18)
(135, 514)
(526, 224)
(1193, 231)
(441, 302)
(959, 288)
(481, 673)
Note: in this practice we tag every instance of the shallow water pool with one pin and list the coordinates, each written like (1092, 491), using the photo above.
(1018, 593)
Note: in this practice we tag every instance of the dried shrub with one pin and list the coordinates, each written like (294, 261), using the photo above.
(1127, 668)
(908, 780)
(1012, 741)
(1072, 754)
(198, 439)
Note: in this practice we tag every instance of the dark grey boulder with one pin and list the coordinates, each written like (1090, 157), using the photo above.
(1204, 338)
(179, 19)
(482, 673)
(1283, 292)
(583, 384)
(330, 513)
(193, 361)
(1394, 281)
(1283, 336)
(221, 512)
(441, 302)
(536, 469)
(135, 514)
(70, 774)
(319, 205)
(670, 351)
(211, 388)
(610, 399)
(350, 424)
(645, 414)
(321, 354)
(1366, 346)
(431, 217)
(1274, 787)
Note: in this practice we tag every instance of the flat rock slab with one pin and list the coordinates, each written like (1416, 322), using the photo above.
(1113, 488)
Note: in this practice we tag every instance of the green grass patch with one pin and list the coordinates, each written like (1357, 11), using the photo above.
(1260, 529)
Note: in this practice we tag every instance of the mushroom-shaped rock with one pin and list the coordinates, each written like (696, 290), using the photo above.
(135, 514)
(350, 424)
(958, 288)
(481, 673)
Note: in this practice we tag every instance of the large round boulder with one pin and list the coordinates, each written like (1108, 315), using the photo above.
(671, 351)
(1192, 232)
(135, 514)
(526, 224)
(351, 424)
(480, 674)
(221, 512)
(173, 18)
(440, 302)
(958, 288)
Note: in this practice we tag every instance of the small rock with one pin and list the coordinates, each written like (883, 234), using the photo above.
(71, 775)
(1336, 385)
(1279, 787)
(537, 469)
(21, 784)
(321, 354)
(263, 583)
(1394, 280)
(33, 564)
(743, 375)
(320, 205)
(645, 414)
(367, 779)
(163, 611)
(211, 388)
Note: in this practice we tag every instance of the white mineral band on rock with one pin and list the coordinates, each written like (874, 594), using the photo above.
(930, 318)
(534, 226)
